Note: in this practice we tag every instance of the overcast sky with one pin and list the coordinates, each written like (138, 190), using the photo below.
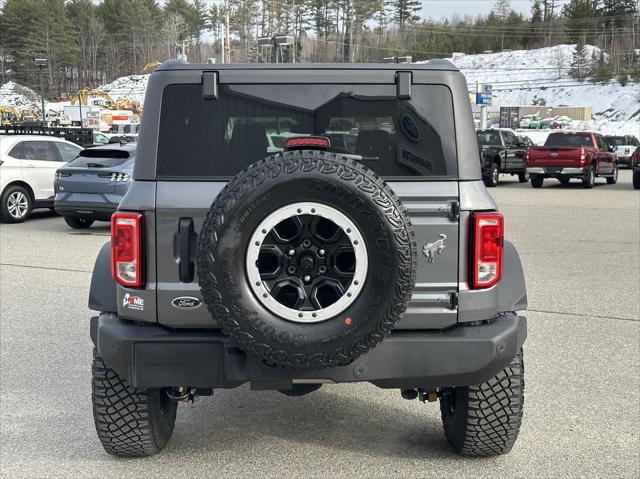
(448, 8)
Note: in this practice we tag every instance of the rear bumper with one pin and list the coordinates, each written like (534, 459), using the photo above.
(154, 356)
(97, 210)
(554, 171)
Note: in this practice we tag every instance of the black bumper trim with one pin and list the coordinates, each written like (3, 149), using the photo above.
(154, 356)
(96, 207)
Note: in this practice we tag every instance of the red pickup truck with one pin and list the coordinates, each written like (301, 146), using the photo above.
(565, 155)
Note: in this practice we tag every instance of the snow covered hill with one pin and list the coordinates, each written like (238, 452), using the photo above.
(520, 76)
(132, 87)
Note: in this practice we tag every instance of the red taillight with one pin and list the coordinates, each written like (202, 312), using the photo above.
(126, 249)
(583, 156)
(307, 142)
(487, 249)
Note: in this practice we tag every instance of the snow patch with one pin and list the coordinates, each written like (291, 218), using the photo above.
(520, 76)
(132, 87)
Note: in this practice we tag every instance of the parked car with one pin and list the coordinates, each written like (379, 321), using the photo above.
(28, 164)
(624, 145)
(561, 122)
(530, 121)
(90, 187)
(501, 152)
(100, 138)
(565, 155)
(384, 264)
(635, 165)
(526, 141)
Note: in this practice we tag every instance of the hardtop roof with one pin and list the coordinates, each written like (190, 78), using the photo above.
(435, 64)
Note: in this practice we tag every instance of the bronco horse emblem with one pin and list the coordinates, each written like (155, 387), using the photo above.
(430, 249)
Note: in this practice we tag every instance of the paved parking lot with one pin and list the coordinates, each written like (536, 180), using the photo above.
(581, 254)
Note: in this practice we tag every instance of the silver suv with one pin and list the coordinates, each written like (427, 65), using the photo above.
(365, 248)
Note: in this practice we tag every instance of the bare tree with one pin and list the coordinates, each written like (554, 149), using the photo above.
(175, 30)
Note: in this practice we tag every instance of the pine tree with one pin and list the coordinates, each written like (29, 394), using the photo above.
(405, 12)
(580, 20)
(535, 25)
(603, 72)
(502, 8)
(580, 63)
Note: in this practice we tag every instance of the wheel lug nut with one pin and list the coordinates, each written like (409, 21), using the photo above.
(291, 252)
(306, 278)
(322, 269)
(306, 243)
(321, 252)
(291, 269)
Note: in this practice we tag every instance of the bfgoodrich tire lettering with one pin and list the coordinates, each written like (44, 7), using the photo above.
(484, 420)
(281, 180)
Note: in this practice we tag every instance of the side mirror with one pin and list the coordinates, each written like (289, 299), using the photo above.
(521, 145)
(611, 148)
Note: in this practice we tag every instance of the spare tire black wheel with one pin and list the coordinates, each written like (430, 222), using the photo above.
(307, 259)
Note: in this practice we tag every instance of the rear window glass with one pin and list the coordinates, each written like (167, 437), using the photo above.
(94, 158)
(218, 138)
(617, 140)
(563, 139)
(488, 138)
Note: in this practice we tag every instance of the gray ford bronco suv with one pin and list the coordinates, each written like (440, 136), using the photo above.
(294, 225)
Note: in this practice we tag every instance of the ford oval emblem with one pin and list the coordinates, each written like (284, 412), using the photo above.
(186, 302)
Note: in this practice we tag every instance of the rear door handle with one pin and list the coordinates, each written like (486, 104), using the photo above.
(186, 249)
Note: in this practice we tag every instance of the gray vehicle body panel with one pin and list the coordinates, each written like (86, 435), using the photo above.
(442, 302)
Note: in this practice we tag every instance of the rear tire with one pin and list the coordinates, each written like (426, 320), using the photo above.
(16, 204)
(636, 180)
(613, 179)
(78, 223)
(537, 181)
(589, 178)
(129, 422)
(493, 178)
(523, 177)
(484, 420)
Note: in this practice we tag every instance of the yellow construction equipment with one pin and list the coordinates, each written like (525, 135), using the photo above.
(128, 104)
(86, 93)
(151, 66)
(9, 115)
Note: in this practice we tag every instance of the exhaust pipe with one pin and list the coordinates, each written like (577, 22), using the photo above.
(409, 393)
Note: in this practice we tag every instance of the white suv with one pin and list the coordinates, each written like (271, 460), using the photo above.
(28, 165)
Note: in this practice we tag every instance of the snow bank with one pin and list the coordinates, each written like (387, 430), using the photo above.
(18, 96)
(132, 87)
(24, 99)
(520, 76)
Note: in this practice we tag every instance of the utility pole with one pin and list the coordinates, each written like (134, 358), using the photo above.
(222, 57)
(41, 63)
(80, 104)
(226, 32)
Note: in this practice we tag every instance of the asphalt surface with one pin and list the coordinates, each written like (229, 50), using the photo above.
(580, 250)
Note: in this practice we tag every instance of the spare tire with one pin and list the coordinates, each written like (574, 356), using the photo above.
(306, 259)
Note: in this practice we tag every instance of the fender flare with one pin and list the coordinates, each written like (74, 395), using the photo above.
(512, 289)
(103, 292)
